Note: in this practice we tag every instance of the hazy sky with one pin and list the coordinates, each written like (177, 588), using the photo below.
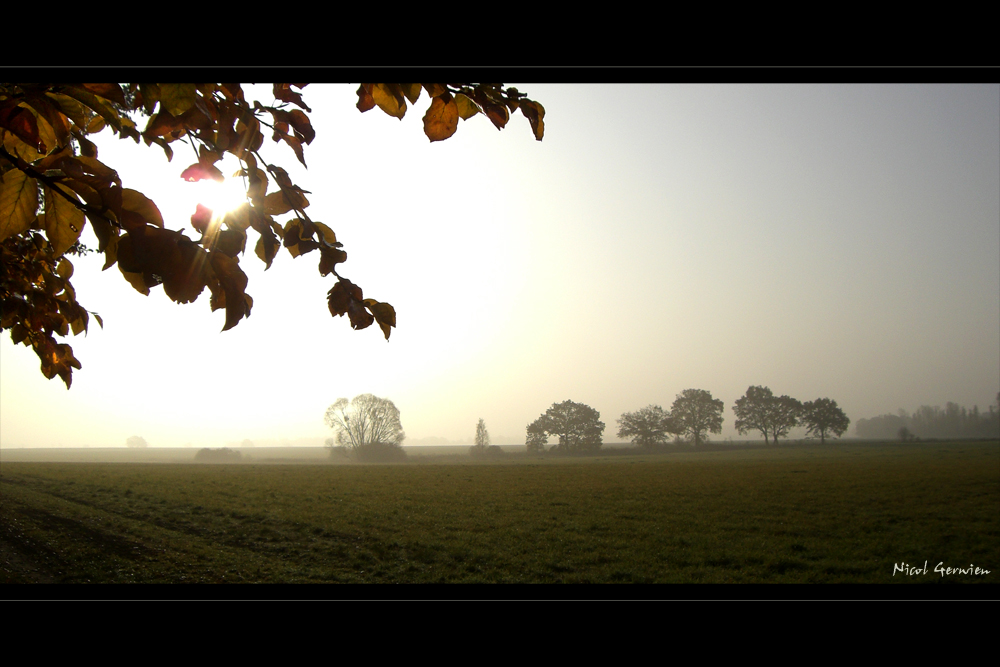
(837, 241)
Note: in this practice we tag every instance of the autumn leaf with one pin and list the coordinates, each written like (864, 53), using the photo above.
(329, 258)
(467, 108)
(201, 172)
(18, 203)
(441, 119)
(389, 98)
(534, 112)
(135, 201)
(177, 98)
(201, 218)
(22, 123)
(63, 221)
(384, 314)
(365, 100)
(284, 92)
(233, 282)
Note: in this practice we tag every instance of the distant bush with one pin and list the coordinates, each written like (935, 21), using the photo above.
(136, 441)
(379, 452)
(224, 455)
(490, 452)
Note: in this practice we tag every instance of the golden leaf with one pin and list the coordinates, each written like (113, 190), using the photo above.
(18, 203)
(176, 98)
(389, 98)
(466, 107)
(441, 119)
(63, 221)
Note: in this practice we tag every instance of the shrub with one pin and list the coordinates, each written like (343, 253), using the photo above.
(380, 452)
(224, 455)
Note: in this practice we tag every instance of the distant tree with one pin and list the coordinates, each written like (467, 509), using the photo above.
(760, 410)
(223, 455)
(482, 442)
(905, 435)
(578, 427)
(649, 427)
(369, 426)
(695, 413)
(482, 435)
(823, 416)
(136, 441)
(247, 443)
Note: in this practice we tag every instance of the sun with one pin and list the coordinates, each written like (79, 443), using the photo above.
(221, 197)
(215, 191)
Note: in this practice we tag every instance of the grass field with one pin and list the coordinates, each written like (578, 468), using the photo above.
(806, 513)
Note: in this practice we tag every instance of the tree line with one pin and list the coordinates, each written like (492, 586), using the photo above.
(694, 414)
(953, 421)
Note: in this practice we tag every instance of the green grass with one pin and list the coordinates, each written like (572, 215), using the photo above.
(836, 513)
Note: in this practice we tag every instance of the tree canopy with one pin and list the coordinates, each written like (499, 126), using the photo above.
(760, 410)
(368, 427)
(52, 184)
(649, 427)
(365, 420)
(823, 416)
(578, 427)
(695, 413)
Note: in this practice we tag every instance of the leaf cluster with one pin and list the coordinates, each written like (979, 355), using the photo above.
(451, 102)
(578, 427)
(52, 183)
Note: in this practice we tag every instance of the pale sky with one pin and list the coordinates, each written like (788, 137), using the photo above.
(833, 240)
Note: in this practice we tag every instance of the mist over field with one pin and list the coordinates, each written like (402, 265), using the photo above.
(825, 241)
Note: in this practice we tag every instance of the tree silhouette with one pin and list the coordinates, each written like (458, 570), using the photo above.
(369, 426)
(695, 413)
(823, 416)
(759, 409)
(648, 428)
(52, 183)
(578, 427)
(482, 435)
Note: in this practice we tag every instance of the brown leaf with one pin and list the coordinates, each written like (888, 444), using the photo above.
(435, 89)
(441, 119)
(329, 258)
(135, 201)
(389, 98)
(360, 318)
(234, 283)
(284, 92)
(467, 108)
(22, 123)
(109, 91)
(267, 247)
(384, 314)
(365, 101)
(199, 172)
(534, 112)
(201, 219)
(411, 91)
(18, 203)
